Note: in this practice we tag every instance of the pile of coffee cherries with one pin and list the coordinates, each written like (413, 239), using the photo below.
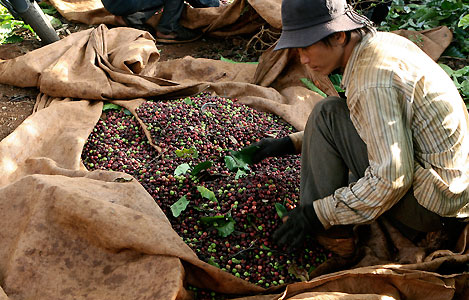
(226, 215)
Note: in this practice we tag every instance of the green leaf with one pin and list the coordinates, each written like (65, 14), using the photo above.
(310, 85)
(179, 206)
(191, 152)
(212, 262)
(214, 219)
(56, 23)
(233, 163)
(336, 79)
(447, 69)
(47, 8)
(201, 166)
(13, 39)
(182, 169)
(223, 224)
(110, 106)
(464, 22)
(230, 163)
(453, 52)
(244, 156)
(240, 173)
(226, 229)
(188, 101)
(127, 112)
(237, 62)
(235, 260)
(464, 89)
(462, 72)
(240, 159)
(281, 210)
(206, 193)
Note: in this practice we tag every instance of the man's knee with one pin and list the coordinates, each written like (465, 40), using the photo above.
(328, 106)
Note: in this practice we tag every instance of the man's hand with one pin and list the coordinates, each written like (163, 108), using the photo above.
(302, 220)
(270, 147)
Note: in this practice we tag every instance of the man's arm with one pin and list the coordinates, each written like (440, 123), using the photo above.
(297, 140)
(380, 116)
(276, 147)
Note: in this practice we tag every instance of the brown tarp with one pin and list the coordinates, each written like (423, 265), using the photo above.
(69, 233)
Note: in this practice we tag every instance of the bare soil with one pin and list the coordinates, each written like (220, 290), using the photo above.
(16, 103)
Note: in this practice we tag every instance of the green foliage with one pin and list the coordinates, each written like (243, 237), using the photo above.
(188, 101)
(50, 11)
(224, 224)
(10, 27)
(212, 262)
(310, 85)
(461, 80)
(335, 79)
(47, 8)
(179, 206)
(429, 14)
(464, 22)
(191, 152)
(239, 160)
(111, 106)
(281, 210)
(182, 169)
(201, 166)
(206, 193)
(238, 62)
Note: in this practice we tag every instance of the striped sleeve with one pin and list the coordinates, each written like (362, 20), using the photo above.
(389, 176)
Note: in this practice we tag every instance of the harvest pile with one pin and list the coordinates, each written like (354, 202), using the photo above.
(225, 210)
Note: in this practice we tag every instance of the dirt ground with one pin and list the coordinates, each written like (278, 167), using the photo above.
(16, 104)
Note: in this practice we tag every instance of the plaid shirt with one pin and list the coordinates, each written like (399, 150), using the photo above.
(416, 128)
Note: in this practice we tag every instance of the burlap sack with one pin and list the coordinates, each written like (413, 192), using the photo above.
(70, 233)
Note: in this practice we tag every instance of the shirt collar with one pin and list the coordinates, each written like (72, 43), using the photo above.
(353, 58)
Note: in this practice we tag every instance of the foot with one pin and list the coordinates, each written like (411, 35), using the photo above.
(123, 21)
(181, 35)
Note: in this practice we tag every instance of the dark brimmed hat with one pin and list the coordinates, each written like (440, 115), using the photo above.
(305, 22)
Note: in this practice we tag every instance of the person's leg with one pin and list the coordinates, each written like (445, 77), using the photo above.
(129, 7)
(134, 13)
(331, 148)
(418, 224)
(169, 30)
(410, 213)
(138, 20)
(172, 12)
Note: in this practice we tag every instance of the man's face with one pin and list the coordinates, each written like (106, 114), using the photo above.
(323, 58)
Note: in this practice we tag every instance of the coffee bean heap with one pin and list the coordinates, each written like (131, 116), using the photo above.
(227, 219)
